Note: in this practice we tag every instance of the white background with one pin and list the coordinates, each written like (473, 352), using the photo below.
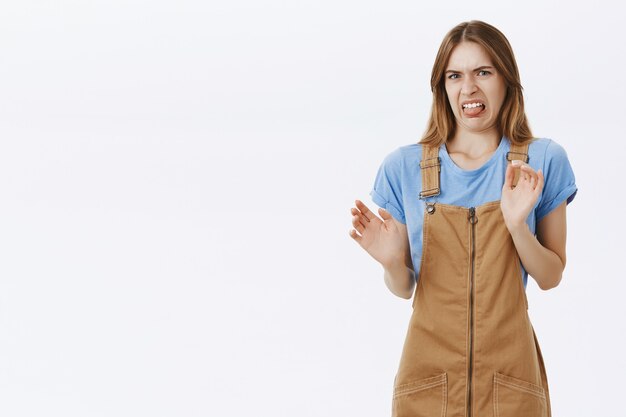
(176, 181)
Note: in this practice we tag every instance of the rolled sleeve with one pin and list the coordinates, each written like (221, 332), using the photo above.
(387, 189)
(560, 182)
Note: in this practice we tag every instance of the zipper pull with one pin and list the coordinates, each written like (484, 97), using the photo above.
(472, 216)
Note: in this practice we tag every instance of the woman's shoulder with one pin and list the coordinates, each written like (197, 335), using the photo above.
(409, 150)
(542, 151)
(404, 155)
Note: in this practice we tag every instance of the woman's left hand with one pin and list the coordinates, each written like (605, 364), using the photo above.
(516, 203)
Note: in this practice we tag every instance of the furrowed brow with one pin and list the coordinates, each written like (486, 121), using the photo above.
(476, 69)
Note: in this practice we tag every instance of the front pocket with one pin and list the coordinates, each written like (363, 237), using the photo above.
(513, 397)
(425, 397)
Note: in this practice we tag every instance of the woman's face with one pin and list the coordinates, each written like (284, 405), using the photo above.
(472, 78)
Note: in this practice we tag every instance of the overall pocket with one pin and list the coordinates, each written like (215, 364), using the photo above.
(513, 397)
(425, 397)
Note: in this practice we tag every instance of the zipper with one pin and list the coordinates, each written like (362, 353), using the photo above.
(472, 219)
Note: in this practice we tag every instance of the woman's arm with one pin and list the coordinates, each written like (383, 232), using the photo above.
(543, 257)
(387, 241)
(400, 275)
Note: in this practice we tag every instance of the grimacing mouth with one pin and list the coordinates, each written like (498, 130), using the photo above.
(481, 104)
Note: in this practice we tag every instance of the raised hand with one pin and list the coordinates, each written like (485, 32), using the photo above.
(516, 203)
(381, 238)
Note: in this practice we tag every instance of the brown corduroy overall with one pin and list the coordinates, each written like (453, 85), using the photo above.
(470, 348)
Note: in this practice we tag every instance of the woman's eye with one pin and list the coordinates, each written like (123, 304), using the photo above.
(452, 75)
(486, 72)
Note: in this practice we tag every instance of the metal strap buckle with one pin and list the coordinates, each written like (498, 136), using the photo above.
(438, 191)
(526, 157)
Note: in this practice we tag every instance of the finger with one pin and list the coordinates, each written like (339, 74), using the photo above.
(523, 173)
(362, 219)
(523, 166)
(356, 223)
(527, 168)
(509, 176)
(533, 181)
(369, 215)
(354, 235)
(530, 174)
(384, 214)
(522, 177)
(540, 181)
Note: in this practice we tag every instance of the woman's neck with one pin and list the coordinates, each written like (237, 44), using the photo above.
(472, 145)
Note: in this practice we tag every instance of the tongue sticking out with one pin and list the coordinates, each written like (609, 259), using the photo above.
(473, 111)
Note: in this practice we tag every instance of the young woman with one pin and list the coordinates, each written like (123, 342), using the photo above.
(465, 215)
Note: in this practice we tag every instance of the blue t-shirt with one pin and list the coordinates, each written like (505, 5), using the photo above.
(399, 182)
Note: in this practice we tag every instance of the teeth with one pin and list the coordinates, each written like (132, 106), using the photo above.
(473, 105)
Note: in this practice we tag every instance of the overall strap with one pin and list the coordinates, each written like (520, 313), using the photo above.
(519, 152)
(430, 166)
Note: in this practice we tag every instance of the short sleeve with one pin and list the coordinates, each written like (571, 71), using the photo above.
(560, 183)
(387, 190)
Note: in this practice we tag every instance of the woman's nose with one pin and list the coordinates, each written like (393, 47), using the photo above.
(468, 86)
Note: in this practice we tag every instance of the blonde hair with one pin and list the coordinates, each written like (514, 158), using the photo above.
(512, 121)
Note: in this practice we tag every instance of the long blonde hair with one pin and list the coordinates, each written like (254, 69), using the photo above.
(512, 121)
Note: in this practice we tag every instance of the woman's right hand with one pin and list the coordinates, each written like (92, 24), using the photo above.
(381, 238)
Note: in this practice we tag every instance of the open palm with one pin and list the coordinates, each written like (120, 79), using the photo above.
(381, 238)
